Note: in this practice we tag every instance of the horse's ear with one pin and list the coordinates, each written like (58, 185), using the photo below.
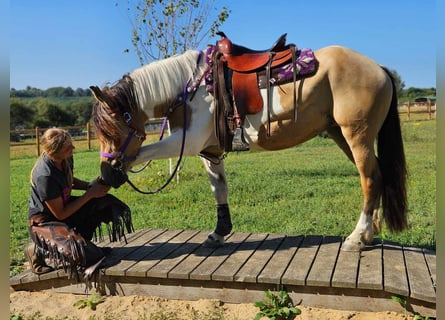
(98, 94)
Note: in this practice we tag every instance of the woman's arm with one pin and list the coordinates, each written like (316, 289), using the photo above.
(61, 211)
(80, 184)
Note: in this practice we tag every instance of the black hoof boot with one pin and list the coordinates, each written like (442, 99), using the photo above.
(224, 223)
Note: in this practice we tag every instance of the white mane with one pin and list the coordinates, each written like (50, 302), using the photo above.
(161, 81)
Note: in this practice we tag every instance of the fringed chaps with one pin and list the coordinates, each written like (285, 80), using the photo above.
(68, 243)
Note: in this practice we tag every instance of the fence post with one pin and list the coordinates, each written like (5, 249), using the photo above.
(37, 141)
(429, 109)
(409, 105)
(88, 136)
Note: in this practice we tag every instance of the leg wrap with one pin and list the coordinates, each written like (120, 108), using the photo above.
(224, 223)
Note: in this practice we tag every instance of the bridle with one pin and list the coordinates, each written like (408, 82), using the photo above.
(118, 158)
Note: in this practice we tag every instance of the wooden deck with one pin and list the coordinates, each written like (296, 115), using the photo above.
(173, 264)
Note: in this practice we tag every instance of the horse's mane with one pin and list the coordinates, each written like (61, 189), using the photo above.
(149, 86)
(161, 81)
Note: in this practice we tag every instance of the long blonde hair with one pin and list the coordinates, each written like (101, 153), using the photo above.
(52, 142)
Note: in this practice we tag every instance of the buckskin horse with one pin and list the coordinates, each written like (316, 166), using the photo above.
(347, 95)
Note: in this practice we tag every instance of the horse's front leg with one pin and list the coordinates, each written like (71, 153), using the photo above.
(218, 183)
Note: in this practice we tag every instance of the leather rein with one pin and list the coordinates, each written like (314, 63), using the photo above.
(119, 156)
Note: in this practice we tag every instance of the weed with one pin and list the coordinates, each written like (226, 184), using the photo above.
(404, 303)
(277, 307)
(91, 302)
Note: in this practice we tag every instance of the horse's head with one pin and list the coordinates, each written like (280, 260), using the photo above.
(119, 127)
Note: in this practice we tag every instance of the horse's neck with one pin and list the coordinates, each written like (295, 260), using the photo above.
(158, 84)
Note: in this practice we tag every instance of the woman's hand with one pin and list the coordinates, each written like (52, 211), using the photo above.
(96, 189)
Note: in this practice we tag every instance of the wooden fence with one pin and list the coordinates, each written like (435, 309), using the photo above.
(31, 137)
(412, 110)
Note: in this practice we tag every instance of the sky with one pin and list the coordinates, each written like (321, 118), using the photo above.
(78, 43)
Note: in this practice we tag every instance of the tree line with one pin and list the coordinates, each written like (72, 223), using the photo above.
(58, 106)
(59, 92)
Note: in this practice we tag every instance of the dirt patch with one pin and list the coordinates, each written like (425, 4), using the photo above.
(51, 305)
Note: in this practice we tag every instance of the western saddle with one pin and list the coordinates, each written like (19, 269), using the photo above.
(238, 74)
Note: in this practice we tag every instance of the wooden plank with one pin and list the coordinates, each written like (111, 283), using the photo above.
(183, 270)
(151, 255)
(166, 250)
(430, 257)
(128, 237)
(370, 274)
(277, 265)
(252, 268)
(227, 270)
(301, 263)
(26, 277)
(395, 280)
(420, 283)
(345, 273)
(324, 263)
(205, 270)
(128, 255)
(162, 269)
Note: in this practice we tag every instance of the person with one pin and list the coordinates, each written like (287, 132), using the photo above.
(62, 225)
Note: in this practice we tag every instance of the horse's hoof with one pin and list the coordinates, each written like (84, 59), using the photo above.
(214, 240)
(352, 246)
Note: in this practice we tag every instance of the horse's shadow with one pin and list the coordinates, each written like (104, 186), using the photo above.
(167, 250)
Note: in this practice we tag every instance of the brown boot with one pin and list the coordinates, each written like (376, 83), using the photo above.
(36, 260)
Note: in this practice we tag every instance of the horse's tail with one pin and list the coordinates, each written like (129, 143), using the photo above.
(392, 164)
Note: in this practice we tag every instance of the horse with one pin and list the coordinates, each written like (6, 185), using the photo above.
(350, 97)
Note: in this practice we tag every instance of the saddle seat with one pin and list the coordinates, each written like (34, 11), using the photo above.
(242, 59)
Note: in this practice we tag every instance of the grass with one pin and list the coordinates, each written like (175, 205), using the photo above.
(309, 189)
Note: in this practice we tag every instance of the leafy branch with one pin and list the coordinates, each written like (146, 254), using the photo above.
(162, 28)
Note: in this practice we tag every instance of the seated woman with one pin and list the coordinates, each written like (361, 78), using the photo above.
(62, 225)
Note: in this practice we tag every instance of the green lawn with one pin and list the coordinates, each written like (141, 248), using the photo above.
(309, 189)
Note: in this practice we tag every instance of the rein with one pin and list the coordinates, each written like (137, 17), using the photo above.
(183, 101)
(182, 98)
(161, 135)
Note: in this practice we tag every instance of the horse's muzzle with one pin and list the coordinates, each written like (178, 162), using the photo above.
(112, 176)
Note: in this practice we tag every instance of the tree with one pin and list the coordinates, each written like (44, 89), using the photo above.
(21, 115)
(162, 28)
(81, 110)
(398, 82)
(51, 115)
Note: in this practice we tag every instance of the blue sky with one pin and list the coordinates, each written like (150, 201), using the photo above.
(79, 43)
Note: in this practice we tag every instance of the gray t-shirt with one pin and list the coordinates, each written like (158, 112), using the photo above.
(48, 183)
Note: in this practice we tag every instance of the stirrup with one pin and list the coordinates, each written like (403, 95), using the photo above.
(239, 143)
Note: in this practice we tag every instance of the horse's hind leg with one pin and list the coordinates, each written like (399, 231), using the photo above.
(364, 158)
(217, 177)
(336, 134)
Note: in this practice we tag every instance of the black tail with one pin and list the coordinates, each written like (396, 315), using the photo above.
(392, 165)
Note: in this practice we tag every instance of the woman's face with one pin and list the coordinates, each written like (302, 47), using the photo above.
(66, 151)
